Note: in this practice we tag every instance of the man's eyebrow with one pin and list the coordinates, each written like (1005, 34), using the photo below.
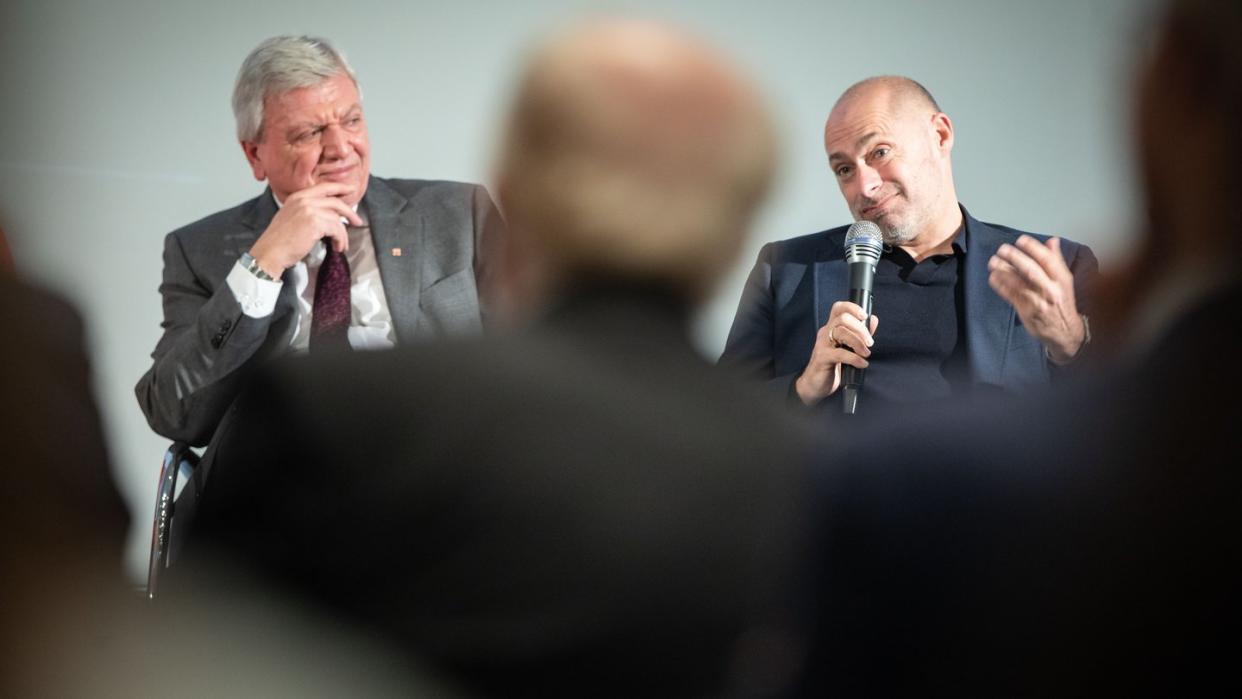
(862, 141)
(299, 125)
(296, 126)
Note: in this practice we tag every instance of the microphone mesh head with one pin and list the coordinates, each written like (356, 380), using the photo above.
(863, 240)
(861, 231)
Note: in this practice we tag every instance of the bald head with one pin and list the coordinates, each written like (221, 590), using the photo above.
(635, 152)
(903, 93)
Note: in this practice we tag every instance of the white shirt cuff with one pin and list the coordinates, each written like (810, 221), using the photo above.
(257, 297)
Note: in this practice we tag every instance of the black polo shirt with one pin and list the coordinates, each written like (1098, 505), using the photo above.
(920, 345)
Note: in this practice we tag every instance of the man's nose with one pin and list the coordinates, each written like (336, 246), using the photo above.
(335, 142)
(869, 180)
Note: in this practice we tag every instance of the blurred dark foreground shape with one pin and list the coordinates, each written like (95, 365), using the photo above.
(72, 625)
(1084, 544)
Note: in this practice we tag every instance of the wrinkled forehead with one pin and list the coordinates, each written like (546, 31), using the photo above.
(336, 95)
(859, 120)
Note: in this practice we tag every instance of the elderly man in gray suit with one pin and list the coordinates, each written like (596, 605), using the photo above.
(328, 256)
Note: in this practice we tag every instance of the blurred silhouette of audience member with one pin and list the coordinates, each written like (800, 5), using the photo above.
(72, 625)
(586, 506)
(6, 256)
(1084, 544)
(62, 522)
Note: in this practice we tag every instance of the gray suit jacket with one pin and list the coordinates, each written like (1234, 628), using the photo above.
(443, 229)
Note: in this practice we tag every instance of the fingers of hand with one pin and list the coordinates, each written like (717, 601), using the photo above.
(844, 356)
(296, 230)
(1010, 285)
(825, 340)
(850, 332)
(339, 236)
(1022, 264)
(1047, 255)
(342, 210)
(1038, 314)
(1019, 278)
(847, 309)
(322, 219)
(321, 198)
(335, 190)
(826, 355)
(818, 382)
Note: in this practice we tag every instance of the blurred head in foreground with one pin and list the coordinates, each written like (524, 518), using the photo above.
(1189, 109)
(633, 154)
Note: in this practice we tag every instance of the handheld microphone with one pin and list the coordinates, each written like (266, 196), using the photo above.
(863, 245)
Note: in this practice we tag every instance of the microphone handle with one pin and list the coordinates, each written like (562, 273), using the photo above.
(861, 277)
(863, 297)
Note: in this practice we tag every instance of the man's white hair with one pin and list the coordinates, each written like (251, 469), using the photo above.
(276, 66)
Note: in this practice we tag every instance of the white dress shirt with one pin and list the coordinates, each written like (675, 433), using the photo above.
(370, 322)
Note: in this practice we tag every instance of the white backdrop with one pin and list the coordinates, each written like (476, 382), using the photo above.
(116, 128)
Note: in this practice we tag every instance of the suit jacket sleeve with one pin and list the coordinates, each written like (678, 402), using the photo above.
(751, 347)
(1086, 270)
(206, 341)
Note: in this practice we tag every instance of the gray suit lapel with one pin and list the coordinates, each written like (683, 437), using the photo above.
(398, 235)
(255, 216)
(260, 213)
(989, 318)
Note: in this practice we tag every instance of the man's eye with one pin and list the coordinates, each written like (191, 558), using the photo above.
(880, 153)
(353, 120)
(843, 170)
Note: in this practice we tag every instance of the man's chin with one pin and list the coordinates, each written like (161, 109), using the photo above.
(895, 233)
(362, 189)
(892, 232)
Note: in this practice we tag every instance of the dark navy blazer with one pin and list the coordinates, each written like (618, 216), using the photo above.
(794, 283)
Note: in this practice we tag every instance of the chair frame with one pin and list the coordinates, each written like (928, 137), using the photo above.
(178, 455)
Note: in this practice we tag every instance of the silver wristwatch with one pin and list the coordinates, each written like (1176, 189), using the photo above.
(252, 266)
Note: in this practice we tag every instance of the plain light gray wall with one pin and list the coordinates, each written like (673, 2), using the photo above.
(117, 129)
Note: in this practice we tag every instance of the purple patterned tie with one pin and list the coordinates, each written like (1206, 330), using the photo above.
(330, 314)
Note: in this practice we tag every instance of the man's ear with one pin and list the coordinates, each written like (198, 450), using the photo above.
(251, 149)
(942, 126)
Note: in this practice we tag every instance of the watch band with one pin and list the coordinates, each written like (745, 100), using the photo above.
(252, 266)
